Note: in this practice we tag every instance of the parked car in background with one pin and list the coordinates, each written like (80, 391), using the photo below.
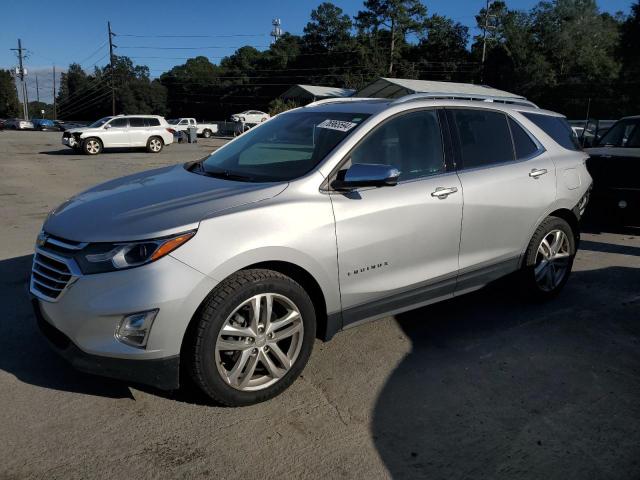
(589, 132)
(44, 124)
(64, 126)
(2, 123)
(614, 164)
(182, 124)
(18, 124)
(226, 269)
(251, 117)
(149, 131)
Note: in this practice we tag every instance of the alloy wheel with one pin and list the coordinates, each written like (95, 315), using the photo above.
(155, 145)
(259, 342)
(93, 147)
(552, 260)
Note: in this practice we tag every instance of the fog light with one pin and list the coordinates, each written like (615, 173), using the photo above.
(622, 204)
(134, 329)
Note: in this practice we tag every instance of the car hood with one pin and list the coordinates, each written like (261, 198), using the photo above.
(150, 204)
(84, 130)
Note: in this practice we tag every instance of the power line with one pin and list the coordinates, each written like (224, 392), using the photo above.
(192, 36)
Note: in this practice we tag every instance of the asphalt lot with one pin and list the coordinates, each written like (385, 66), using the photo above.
(483, 386)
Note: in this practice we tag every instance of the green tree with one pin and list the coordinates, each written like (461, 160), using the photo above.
(442, 53)
(329, 29)
(399, 17)
(9, 103)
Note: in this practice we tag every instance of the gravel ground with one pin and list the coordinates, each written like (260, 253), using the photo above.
(483, 386)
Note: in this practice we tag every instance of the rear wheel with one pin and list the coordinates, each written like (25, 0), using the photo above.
(253, 337)
(206, 133)
(549, 258)
(92, 146)
(154, 145)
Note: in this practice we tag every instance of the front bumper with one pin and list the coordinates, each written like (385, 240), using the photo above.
(162, 373)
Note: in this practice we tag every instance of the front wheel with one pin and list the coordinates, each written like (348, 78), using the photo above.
(92, 146)
(549, 258)
(253, 337)
(154, 145)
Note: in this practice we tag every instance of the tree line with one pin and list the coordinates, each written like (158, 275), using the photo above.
(565, 55)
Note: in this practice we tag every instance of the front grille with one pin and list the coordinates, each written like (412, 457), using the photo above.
(66, 134)
(52, 272)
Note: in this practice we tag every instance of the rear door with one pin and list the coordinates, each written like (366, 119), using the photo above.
(508, 184)
(138, 131)
(398, 246)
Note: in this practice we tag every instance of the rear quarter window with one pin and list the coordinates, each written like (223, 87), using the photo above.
(557, 128)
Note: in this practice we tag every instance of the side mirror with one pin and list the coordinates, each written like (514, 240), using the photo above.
(366, 175)
(107, 126)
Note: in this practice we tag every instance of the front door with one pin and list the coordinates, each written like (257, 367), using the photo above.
(117, 135)
(398, 246)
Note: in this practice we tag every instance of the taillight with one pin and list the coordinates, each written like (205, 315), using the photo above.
(171, 131)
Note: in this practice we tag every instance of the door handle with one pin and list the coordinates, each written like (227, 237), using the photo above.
(537, 172)
(443, 192)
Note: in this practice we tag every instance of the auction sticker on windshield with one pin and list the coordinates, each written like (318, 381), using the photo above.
(339, 125)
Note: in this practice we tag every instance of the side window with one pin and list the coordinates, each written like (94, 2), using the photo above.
(152, 122)
(119, 123)
(557, 128)
(183, 122)
(484, 137)
(412, 143)
(136, 122)
(522, 142)
(624, 133)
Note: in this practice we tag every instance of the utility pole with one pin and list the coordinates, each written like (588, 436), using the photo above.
(276, 33)
(55, 113)
(111, 58)
(20, 72)
(484, 37)
(37, 90)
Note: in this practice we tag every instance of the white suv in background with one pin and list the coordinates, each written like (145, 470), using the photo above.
(149, 131)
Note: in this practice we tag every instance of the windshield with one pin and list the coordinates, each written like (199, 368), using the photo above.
(100, 122)
(284, 148)
(173, 121)
(625, 133)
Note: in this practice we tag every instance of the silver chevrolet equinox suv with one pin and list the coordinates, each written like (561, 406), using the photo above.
(223, 271)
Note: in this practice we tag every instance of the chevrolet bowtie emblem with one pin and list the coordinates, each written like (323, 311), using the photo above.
(42, 239)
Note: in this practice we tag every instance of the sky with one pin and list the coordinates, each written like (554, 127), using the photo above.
(59, 33)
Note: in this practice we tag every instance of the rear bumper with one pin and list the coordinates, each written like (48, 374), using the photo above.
(162, 373)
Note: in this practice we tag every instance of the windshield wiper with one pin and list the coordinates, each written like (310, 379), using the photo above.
(226, 174)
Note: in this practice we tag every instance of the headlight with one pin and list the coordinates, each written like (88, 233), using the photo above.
(107, 257)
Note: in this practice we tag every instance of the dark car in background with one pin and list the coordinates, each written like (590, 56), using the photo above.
(589, 132)
(614, 164)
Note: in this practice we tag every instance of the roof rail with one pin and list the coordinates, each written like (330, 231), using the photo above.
(465, 96)
(340, 100)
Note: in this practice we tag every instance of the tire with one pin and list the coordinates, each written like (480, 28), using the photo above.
(223, 374)
(92, 146)
(206, 133)
(543, 278)
(155, 145)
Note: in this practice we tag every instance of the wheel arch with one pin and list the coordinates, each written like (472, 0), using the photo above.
(326, 327)
(571, 218)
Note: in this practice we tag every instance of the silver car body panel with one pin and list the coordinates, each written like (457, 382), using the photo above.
(407, 247)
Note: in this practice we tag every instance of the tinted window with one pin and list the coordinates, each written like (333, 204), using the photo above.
(119, 123)
(152, 122)
(484, 137)
(522, 142)
(285, 148)
(557, 128)
(136, 122)
(623, 134)
(411, 143)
